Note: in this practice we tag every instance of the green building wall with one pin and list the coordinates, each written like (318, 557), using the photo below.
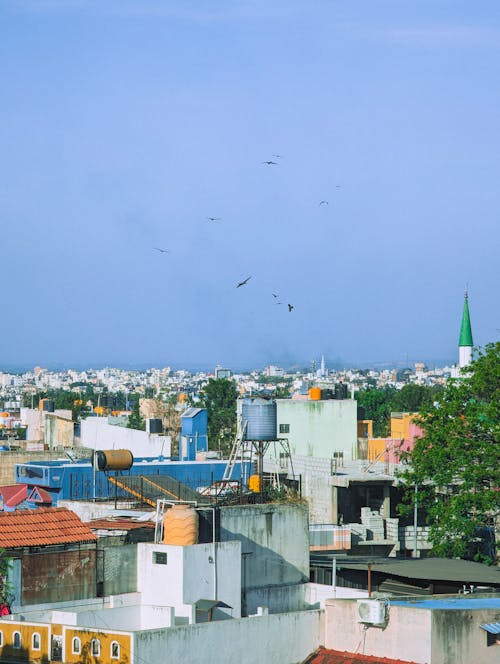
(319, 428)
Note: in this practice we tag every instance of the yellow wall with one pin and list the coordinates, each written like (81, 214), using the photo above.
(105, 639)
(365, 428)
(26, 652)
(400, 426)
(375, 447)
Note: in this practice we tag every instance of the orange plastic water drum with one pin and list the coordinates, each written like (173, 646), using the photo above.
(180, 525)
(254, 483)
(315, 394)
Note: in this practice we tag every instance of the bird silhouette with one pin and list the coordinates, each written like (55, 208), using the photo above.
(278, 156)
(269, 163)
(162, 251)
(245, 281)
(274, 294)
(323, 203)
(290, 307)
(214, 218)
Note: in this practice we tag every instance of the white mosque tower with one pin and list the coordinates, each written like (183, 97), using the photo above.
(465, 341)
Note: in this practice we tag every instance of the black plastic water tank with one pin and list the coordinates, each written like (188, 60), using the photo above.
(155, 425)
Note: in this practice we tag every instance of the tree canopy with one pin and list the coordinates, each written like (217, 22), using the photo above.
(380, 402)
(456, 463)
(219, 398)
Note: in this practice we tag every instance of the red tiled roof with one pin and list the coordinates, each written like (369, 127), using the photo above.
(324, 656)
(14, 494)
(43, 526)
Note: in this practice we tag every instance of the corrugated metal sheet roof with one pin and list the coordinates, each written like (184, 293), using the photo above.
(191, 412)
(118, 523)
(42, 527)
(439, 569)
(492, 628)
(324, 656)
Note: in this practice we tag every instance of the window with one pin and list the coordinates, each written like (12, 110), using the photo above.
(16, 640)
(284, 428)
(35, 641)
(76, 646)
(96, 647)
(1, 639)
(115, 650)
(159, 557)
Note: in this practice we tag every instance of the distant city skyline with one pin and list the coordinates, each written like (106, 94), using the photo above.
(155, 156)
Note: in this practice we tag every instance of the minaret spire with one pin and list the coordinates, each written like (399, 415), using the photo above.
(465, 342)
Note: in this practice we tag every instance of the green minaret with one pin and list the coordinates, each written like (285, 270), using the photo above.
(465, 342)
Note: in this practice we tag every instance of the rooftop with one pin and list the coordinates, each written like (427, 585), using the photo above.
(324, 656)
(429, 569)
(452, 603)
(41, 527)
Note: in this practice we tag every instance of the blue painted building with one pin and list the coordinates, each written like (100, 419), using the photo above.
(79, 480)
(193, 436)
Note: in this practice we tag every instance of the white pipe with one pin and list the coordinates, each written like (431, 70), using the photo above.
(214, 554)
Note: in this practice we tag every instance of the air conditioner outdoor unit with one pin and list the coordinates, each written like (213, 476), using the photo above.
(371, 611)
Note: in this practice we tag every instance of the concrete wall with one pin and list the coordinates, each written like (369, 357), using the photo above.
(117, 569)
(457, 638)
(275, 549)
(122, 618)
(416, 634)
(287, 638)
(316, 486)
(96, 433)
(59, 431)
(8, 461)
(189, 576)
(319, 428)
(406, 635)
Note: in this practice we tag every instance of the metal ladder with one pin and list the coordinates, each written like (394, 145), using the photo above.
(237, 452)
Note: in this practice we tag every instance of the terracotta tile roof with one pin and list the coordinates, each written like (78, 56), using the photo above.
(42, 526)
(14, 494)
(324, 656)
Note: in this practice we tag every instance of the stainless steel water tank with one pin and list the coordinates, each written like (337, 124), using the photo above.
(260, 417)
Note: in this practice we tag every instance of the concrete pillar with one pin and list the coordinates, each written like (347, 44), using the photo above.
(335, 506)
(386, 505)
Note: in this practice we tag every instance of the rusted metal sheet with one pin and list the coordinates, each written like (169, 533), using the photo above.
(58, 576)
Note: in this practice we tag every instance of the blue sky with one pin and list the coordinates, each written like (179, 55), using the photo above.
(124, 124)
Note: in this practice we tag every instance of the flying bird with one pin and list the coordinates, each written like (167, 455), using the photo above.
(214, 218)
(274, 294)
(323, 203)
(245, 281)
(278, 156)
(290, 307)
(269, 163)
(162, 251)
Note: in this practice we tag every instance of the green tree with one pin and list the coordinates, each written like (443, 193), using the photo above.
(377, 403)
(412, 397)
(135, 419)
(219, 398)
(456, 464)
